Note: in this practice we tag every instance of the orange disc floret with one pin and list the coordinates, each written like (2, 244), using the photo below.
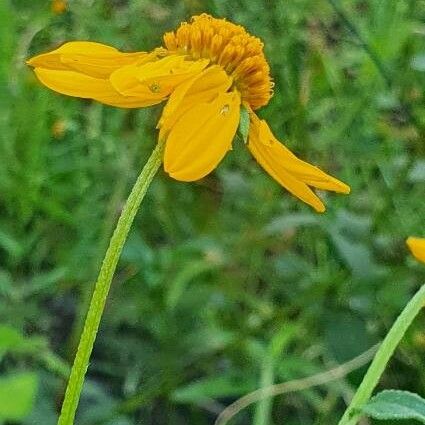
(230, 46)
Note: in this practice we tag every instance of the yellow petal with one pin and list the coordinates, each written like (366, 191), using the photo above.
(201, 88)
(271, 164)
(201, 137)
(93, 59)
(308, 173)
(89, 47)
(417, 247)
(156, 79)
(125, 82)
(291, 172)
(103, 66)
(76, 84)
(82, 69)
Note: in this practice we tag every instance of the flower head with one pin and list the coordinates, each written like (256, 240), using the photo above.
(208, 71)
(417, 247)
(232, 48)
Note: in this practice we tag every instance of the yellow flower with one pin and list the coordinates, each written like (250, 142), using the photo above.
(58, 128)
(58, 6)
(212, 74)
(417, 247)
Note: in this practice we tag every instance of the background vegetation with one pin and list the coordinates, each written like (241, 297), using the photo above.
(230, 283)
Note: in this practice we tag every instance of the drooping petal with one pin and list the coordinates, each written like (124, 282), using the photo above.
(199, 89)
(103, 66)
(155, 79)
(90, 58)
(308, 173)
(291, 172)
(201, 137)
(271, 165)
(82, 69)
(417, 247)
(76, 84)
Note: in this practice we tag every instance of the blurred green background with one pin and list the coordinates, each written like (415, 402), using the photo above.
(230, 283)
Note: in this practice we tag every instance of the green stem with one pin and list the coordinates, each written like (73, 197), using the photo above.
(382, 357)
(103, 283)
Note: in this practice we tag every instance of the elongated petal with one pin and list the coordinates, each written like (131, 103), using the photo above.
(76, 84)
(155, 79)
(125, 82)
(308, 173)
(201, 137)
(82, 69)
(417, 247)
(93, 59)
(52, 60)
(291, 172)
(201, 88)
(103, 66)
(272, 166)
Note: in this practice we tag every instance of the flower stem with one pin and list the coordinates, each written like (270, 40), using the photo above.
(382, 357)
(103, 283)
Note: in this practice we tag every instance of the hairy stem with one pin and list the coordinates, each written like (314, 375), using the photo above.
(383, 355)
(103, 284)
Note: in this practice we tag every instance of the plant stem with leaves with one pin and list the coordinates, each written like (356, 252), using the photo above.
(382, 357)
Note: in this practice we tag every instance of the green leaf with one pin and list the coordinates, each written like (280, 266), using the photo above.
(12, 341)
(11, 245)
(291, 221)
(417, 172)
(9, 339)
(396, 405)
(244, 124)
(418, 62)
(346, 335)
(213, 387)
(357, 255)
(17, 395)
(180, 283)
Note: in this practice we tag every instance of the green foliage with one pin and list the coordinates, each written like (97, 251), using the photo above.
(17, 395)
(396, 405)
(244, 124)
(212, 387)
(214, 272)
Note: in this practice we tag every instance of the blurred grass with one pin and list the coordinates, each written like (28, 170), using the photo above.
(229, 283)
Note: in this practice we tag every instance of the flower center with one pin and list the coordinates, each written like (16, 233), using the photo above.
(230, 46)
